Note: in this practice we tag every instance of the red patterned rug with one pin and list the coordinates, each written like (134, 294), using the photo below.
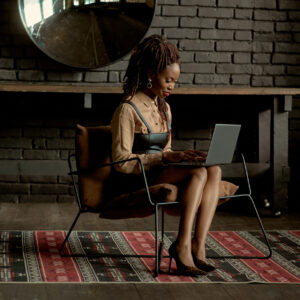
(32, 256)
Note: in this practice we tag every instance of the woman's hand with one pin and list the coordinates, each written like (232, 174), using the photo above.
(186, 155)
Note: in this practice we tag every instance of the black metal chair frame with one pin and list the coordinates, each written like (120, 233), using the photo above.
(84, 209)
(248, 195)
(159, 244)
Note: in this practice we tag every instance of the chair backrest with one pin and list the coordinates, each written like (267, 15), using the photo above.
(93, 148)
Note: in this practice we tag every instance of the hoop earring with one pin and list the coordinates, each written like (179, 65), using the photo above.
(149, 84)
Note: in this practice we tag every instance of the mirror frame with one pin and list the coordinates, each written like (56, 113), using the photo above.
(53, 56)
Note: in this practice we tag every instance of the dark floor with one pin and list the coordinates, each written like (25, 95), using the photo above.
(39, 216)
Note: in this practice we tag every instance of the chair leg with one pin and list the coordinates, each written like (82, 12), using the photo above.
(248, 195)
(68, 234)
(262, 228)
(255, 209)
(263, 232)
(161, 244)
(156, 242)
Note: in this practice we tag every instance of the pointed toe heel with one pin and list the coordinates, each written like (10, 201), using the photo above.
(182, 269)
(202, 265)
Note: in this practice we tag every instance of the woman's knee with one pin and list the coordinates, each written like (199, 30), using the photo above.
(200, 174)
(214, 171)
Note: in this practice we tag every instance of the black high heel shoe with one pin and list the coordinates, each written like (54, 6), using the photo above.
(202, 265)
(182, 269)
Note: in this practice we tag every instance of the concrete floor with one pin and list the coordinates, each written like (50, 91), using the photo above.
(59, 216)
(39, 216)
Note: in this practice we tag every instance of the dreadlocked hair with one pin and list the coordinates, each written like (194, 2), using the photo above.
(153, 54)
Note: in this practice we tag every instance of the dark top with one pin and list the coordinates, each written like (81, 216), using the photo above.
(150, 142)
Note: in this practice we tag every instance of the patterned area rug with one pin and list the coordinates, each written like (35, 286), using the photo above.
(32, 256)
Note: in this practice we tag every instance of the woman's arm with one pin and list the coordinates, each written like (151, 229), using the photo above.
(168, 146)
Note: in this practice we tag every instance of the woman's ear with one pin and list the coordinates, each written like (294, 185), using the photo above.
(151, 74)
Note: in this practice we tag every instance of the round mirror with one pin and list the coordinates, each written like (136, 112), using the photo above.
(86, 33)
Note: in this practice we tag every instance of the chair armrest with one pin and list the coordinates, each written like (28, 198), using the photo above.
(82, 172)
(142, 173)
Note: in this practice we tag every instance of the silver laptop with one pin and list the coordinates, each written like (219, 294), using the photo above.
(221, 148)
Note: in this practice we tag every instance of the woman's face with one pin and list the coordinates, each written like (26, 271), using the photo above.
(164, 82)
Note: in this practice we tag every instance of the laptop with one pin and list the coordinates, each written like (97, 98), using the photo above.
(221, 148)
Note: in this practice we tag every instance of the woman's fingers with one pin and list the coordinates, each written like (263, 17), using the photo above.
(190, 155)
(200, 153)
(186, 155)
(194, 155)
(174, 156)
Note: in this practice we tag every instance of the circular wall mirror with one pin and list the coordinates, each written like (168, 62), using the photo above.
(86, 33)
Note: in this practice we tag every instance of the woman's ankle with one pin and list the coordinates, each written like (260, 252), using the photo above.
(198, 249)
(184, 254)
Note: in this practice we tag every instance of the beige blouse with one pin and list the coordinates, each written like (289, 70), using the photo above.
(126, 122)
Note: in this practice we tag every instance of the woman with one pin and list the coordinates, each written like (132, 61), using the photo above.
(141, 127)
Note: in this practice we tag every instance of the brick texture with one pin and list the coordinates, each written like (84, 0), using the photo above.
(251, 43)
(221, 28)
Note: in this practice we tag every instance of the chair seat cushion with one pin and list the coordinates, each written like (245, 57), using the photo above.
(136, 204)
(226, 189)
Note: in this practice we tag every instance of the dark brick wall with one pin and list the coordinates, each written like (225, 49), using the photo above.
(251, 43)
(37, 133)
(222, 42)
(40, 128)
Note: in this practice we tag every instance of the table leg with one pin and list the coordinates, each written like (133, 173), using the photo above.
(279, 150)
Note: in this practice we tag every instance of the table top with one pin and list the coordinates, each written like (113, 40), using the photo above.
(96, 89)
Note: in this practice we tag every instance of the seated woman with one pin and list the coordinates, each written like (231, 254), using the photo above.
(141, 127)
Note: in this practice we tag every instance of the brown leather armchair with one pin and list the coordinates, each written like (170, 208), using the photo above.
(95, 183)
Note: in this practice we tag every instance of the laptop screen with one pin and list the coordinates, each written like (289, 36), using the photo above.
(223, 143)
